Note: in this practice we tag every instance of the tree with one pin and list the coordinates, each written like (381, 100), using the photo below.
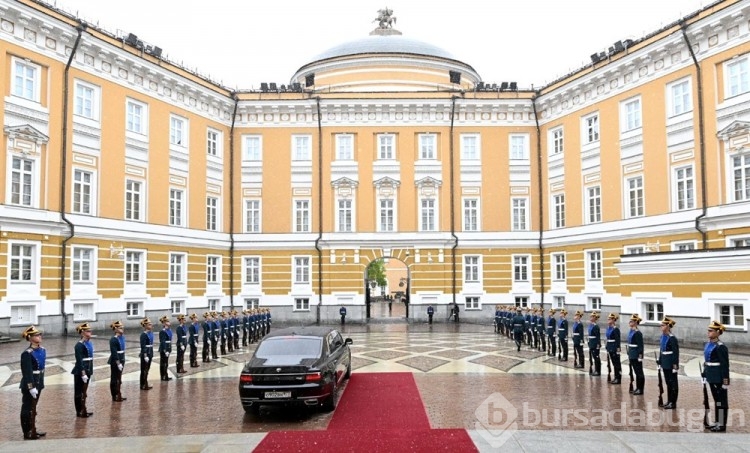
(376, 272)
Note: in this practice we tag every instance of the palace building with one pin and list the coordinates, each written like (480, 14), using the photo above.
(132, 186)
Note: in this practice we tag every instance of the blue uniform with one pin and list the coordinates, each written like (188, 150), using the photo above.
(32, 377)
(84, 366)
(716, 371)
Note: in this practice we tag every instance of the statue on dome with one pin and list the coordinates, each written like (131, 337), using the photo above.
(385, 18)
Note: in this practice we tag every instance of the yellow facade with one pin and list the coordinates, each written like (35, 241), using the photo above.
(135, 187)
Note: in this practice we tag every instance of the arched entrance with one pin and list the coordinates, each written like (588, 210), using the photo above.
(387, 290)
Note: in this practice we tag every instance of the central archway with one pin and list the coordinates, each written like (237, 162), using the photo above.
(386, 282)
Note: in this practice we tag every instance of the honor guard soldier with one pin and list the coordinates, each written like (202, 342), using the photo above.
(237, 329)
(215, 334)
(116, 361)
(228, 324)
(669, 361)
(551, 333)
(33, 360)
(527, 318)
(193, 339)
(165, 348)
(83, 369)
(206, 337)
(578, 340)
(510, 313)
(716, 374)
(562, 336)
(613, 347)
(223, 333)
(540, 330)
(342, 313)
(519, 324)
(498, 318)
(430, 313)
(268, 320)
(245, 327)
(532, 327)
(635, 353)
(181, 331)
(146, 353)
(594, 339)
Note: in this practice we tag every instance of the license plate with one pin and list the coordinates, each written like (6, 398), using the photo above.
(270, 395)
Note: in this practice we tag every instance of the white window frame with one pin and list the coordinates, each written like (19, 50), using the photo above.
(427, 146)
(214, 304)
(301, 270)
(86, 100)
(593, 303)
(301, 215)
(590, 129)
(26, 86)
(428, 214)
(83, 203)
(635, 197)
(27, 178)
(738, 241)
(387, 214)
(737, 76)
(558, 210)
(344, 146)
(134, 309)
(518, 144)
(472, 303)
(557, 141)
(345, 215)
(302, 148)
(739, 188)
(135, 200)
(214, 143)
(631, 116)
(679, 97)
(301, 304)
(683, 188)
(653, 311)
(593, 211)
(521, 268)
(558, 302)
(136, 117)
(386, 146)
(472, 214)
(23, 263)
(179, 131)
(472, 274)
(684, 246)
(83, 311)
(251, 303)
(471, 147)
(177, 268)
(519, 213)
(213, 213)
(135, 263)
(83, 265)
(213, 269)
(521, 301)
(253, 218)
(559, 267)
(177, 205)
(252, 148)
(252, 270)
(634, 249)
(727, 314)
(177, 306)
(594, 265)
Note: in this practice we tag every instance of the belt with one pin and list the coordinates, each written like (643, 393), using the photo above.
(667, 352)
(87, 359)
(632, 345)
(576, 334)
(167, 342)
(42, 371)
(121, 352)
(610, 341)
(149, 346)
(561, 329)
(705, 364)
(594, 338)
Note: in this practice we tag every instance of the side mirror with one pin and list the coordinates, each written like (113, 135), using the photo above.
(348, 341)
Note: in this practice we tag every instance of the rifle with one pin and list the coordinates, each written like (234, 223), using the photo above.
(559, 348)
(609, 368)
(591, 361)
(705, 398)
(575, 355)
(630, 365)
(661, 385)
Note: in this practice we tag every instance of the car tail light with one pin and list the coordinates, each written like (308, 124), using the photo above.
(246, 378)
(313, 377)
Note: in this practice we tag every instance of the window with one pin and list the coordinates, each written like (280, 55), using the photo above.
(83, 312)
(85, 101)
(252, 148)
(593, 303)
(558, 302)
(301, 216)
(732, 315)
(631, 115)
(176, 268)
(520, 214)
(178, 131)
(654, 311)
(386, 215)
(519, 147)
(427, 146)
(133, 196)
(472, 303)
(741, 177)
(344, 217)
(521, 301)
(82, 191)
(213, 269)
(212, 143)
(252, 303)
(740, 242)
(680, 98)
(635, 196)
(301, 270)
(684, 188)
(344, 147)
(301, 304)
(134, 309)
(178, 306)
(23, 181)
(558, 205)
(301, 148)
(26, 80)
(386, 146)
(83, 263)
(558, 267)
(471, 269)
(738, 77)
(212, 214)
(683, 246)
(22, 257)
(594, 265)
(471, 214)
(252, 216)
(176, 213)
(520, 268)
(470, 148)
(252, 270)
(591, 129)
(134, 271)
(634, 250)
(557, 140)
(427, 214)
(214, 304)
(135, 117)
(594, 204)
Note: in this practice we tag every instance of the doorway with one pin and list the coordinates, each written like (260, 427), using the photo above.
(387, 290)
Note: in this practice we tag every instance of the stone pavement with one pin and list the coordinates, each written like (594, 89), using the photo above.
(538, 402)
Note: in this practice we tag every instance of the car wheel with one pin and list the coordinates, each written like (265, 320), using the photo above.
(349, 368)
(330, 403)
(254, 409)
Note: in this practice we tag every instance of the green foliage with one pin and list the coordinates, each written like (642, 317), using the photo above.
(376, 271)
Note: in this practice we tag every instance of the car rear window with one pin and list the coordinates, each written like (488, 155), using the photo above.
(289, 346)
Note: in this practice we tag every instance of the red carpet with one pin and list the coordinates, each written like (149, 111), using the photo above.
(378, 412)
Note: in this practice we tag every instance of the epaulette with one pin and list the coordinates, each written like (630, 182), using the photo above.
(29, 350)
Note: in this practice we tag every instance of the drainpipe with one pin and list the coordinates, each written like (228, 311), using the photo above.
(540, 189)
(453, 214)
(320, 212)
(64, 177)
(702, 137)
(231, 201)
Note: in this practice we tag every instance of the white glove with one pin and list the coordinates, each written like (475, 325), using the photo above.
(34, 393)
(182, 347)
(145, 359)
(168, 353)
(85, 379)
(640, 360)
(725, 387)
(119, 365)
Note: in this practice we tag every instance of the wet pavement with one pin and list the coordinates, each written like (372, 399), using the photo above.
(460, 370)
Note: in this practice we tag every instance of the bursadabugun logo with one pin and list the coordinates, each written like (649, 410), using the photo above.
(496, 420)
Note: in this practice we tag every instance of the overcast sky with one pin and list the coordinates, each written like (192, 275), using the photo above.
(242, 43)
